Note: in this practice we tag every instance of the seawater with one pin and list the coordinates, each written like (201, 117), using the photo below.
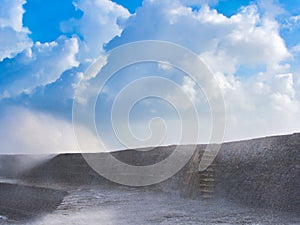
(122, 205)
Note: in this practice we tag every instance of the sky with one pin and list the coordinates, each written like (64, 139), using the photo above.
(252, 49)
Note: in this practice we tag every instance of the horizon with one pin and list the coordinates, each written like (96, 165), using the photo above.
(152, 148)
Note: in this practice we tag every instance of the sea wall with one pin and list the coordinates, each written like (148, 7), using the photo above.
(263, 172)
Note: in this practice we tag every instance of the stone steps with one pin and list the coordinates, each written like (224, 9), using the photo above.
(207, 179)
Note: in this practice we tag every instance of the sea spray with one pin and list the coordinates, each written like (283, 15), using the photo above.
(13, 166)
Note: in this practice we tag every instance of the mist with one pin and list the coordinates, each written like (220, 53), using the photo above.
(12, 166)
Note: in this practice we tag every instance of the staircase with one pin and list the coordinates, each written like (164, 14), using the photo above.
(207, 181)
(200, 183)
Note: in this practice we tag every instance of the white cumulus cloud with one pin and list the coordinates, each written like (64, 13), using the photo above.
(38, 66)
(98, 25)
(13, 36)
(262, 104)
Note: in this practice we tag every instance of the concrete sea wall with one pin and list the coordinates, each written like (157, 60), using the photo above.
(263, 172)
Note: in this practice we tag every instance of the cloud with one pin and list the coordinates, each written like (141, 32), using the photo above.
(296, 49)
(257, 105)
(188, 87)
(11, 14)
(260, 106)
(234, 41)
(13, 36)
(198, 3)
(164, 66)
(44, 76)
(99, 24)
(292, 23)
(271, 8)
(253, 34)
(38, 66)
(25, 131)
(43, 73)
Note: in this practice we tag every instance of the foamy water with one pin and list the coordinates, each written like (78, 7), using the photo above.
(9, 181)
(136, 206)
(3, 218)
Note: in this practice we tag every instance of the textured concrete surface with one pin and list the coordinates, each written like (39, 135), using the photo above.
(261, 172)
(20, 202)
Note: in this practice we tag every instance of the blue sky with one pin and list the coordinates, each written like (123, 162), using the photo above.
(251, 47)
